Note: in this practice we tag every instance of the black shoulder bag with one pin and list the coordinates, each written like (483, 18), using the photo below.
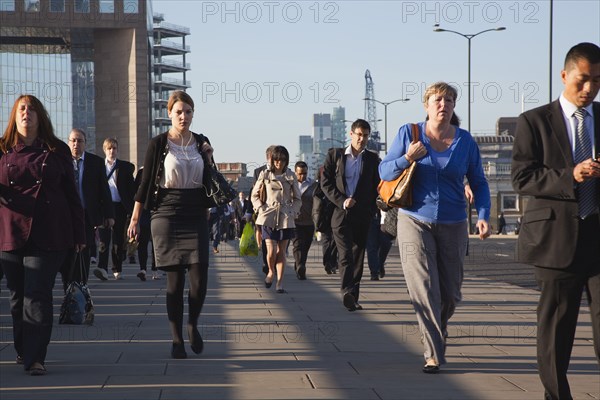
(216, 191)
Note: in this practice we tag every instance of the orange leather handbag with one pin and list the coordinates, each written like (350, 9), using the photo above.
(398, 193)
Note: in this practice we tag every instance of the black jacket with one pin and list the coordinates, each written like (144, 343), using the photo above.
(542, 167)
(147, 193)
(334, 183)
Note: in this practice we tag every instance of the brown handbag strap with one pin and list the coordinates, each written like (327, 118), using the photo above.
(415, 133)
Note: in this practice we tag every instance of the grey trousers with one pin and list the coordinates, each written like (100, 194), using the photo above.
(432, 257)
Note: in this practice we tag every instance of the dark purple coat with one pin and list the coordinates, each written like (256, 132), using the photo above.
(44, 206)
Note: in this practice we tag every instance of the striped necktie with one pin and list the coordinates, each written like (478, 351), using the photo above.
(586, 191)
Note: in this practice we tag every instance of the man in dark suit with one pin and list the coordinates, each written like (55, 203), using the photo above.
(350, 178)
(243, 211)
(305, 228)
(554, 162)
(119, 175)
(95, 197)
(256, 174)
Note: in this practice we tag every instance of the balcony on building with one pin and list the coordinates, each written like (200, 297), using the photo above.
(166, 29)
(169, 48)
(162, 83)
(165, 65)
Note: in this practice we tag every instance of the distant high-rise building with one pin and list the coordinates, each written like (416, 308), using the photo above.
(329, 130)
(306, 144)
(338, 127)
(312, 160)
(321, 133)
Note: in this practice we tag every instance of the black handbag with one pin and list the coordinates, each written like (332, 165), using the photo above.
(216, 190)
(77, 307)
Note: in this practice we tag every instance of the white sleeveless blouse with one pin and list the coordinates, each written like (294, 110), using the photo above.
(183, 167)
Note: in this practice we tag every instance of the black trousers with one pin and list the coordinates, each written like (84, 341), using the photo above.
(117, 234)
(351, 239)
(30, 275)
(558, 310)
(70, 270)
(301, 244)
(330, 252)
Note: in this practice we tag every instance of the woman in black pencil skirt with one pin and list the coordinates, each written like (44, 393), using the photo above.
(174, 170)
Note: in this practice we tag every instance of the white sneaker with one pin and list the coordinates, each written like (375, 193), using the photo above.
(93, 260)
(117, 275)
(100, 274)
(155, 275)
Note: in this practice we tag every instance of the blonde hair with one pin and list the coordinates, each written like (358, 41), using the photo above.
(110, 142)
(442, 88)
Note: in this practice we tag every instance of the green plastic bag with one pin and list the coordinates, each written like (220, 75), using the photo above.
(248, 245)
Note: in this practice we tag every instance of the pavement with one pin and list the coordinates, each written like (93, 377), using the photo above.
(302, 344)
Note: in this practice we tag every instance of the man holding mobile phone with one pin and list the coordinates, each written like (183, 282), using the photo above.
(554, 161)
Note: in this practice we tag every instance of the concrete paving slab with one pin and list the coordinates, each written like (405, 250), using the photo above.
(299, 345)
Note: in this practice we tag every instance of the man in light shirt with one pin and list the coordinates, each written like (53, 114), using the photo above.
(305, 228)
(119, 175)
(95, 198)
(349, 180)
(554, 163)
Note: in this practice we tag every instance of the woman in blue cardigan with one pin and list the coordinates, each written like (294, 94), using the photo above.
(432, 233)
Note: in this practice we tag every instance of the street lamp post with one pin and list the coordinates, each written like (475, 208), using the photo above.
(385, 105)
(468, 37)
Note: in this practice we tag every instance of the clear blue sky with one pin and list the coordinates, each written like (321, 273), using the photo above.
(261, 69)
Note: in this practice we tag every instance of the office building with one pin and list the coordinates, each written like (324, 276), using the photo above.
(94, 64)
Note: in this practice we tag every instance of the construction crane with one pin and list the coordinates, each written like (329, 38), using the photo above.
(371, 112)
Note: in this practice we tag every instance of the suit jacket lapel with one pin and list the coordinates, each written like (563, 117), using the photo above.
(557, 121)
(86, 171)
(363, 162)
(340, 166)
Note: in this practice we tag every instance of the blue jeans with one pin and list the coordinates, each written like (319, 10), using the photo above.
(214, 224)
(30, 274)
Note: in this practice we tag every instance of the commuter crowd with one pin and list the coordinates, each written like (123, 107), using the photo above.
(63, 209)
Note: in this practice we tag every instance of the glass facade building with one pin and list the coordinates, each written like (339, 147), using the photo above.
(91, 63)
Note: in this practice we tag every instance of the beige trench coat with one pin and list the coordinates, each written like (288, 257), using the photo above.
(282, 205)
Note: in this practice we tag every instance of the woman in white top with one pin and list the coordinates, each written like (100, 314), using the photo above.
(174, 171)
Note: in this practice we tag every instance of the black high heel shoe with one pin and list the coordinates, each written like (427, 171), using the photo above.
(178, 351)
(268, 284)
(196, 341)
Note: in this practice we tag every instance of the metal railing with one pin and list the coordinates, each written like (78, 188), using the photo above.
(172, 63)
(171, 27)
(172, 45)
